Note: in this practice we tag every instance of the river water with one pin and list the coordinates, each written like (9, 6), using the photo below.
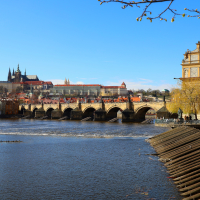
(81, 160)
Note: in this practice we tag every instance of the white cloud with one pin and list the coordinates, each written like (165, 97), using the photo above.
(57, 81)
(79, 82)
(146, 80)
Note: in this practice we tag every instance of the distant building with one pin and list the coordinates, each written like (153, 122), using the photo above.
(17, 77)
(114, 90)
(77, 89)
(9, 86)
(165, 91)
(37, 85)
(9, 107)
(67, 82)
(89, 89)
(6, 84)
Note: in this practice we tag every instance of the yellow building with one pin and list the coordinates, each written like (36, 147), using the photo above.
(114, 90)
(191, 64)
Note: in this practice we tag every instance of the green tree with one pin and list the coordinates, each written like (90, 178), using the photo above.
(187, 97)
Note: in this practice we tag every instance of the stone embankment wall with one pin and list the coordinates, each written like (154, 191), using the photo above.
(179, 149)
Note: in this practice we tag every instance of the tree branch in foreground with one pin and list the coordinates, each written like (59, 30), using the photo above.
(147, 12)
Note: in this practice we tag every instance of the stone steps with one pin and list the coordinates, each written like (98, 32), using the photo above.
(179, 149)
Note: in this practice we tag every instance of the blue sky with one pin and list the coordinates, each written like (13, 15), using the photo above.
(89, 43)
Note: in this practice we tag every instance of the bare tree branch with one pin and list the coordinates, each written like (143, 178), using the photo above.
(147, 11)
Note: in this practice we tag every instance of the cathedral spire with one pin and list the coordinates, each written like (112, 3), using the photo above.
(25, 72)
(9, 75)
(65, 81)
(18, 68)
(13, 72)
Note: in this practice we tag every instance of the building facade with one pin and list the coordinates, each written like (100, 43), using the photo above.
(191, 63)
(114, 90)
(9, 107)
(11, 87)
(77, 89)
(36, 85)
(89, 90)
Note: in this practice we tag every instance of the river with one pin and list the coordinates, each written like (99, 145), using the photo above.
(81, 160)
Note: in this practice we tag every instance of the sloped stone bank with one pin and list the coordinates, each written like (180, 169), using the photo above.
(179, 149)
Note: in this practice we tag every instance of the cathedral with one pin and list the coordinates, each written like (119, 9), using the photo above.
(17, 77)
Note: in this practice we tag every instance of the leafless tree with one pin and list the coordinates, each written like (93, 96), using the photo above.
(148, 14)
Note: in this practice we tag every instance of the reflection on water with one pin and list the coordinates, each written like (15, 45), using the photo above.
(81, 160)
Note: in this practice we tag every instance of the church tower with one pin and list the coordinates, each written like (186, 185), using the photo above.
(123, 85)
(65, 82)
(9, 76)
(17, 75)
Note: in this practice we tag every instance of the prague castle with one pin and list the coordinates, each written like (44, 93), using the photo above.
(191, 64)
(25, 82)
(17, 77)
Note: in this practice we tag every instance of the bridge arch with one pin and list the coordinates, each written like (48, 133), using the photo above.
(88, 112)
(48, 111)
(67, 112)
(34, 109)
(22, 110)
(112, 112)
(141, 112)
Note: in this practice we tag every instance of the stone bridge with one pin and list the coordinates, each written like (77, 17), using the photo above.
(131, 111)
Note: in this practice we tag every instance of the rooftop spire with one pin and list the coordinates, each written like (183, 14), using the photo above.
(9, 75)
(18, 68)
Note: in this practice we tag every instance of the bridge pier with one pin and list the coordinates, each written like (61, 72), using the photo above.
(27, 113)
(76, 114)
(128, 115)
(100, 115)
(39, 113)
(56, 114)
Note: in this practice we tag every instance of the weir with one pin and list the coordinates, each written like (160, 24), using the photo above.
(179, 149)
